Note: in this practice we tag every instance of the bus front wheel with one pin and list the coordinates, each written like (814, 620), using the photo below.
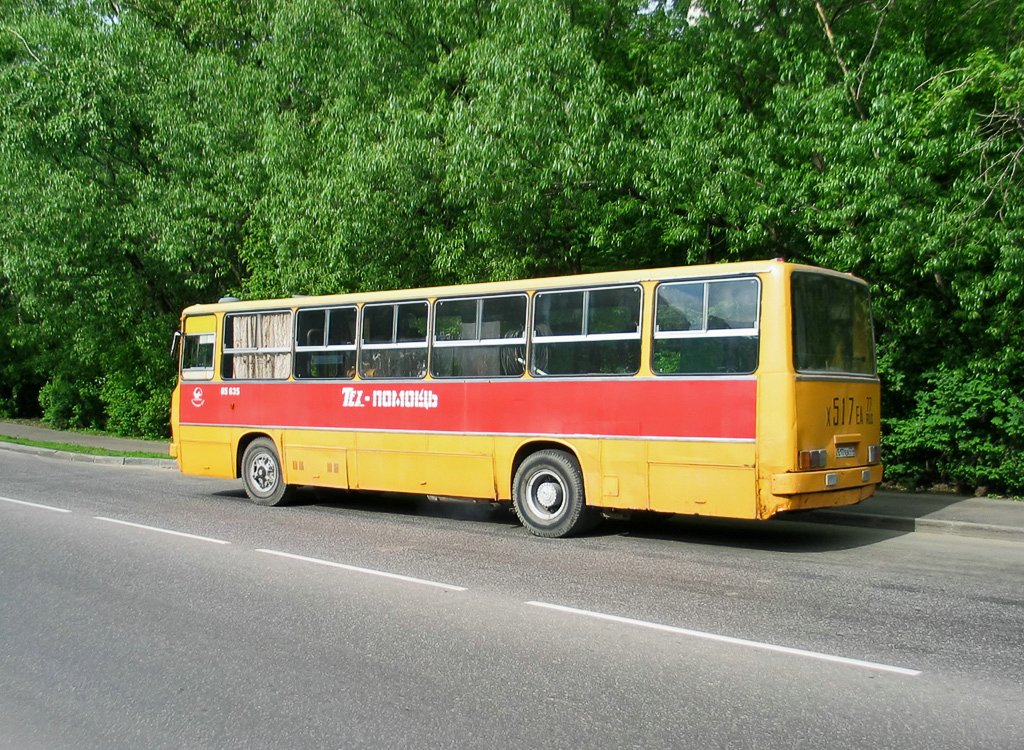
(548, 496)
(261, 473)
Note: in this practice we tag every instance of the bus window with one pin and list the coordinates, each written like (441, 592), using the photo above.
(832, 325)
(197, 357)
(394, 341)
(325, 344)
(587, 332)
(706, 327)
(479, 337)
(732, 305)
(257, 346)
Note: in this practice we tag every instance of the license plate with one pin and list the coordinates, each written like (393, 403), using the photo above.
(846, 451)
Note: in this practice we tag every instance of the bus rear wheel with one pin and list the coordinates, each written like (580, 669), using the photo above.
(548, 495)
(261, 474)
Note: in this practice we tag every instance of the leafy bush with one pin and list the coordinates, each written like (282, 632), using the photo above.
(136, 407)
(19, 379)
(68, 403)
(967, 428)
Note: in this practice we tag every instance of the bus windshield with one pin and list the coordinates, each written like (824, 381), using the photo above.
(832, 325)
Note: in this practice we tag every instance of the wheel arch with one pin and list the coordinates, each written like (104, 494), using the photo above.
(245, 441)
(530, 447)
(549, 491)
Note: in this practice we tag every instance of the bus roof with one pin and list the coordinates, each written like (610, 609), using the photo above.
(497, 287)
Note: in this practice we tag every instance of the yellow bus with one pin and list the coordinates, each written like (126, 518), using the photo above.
(737, 390)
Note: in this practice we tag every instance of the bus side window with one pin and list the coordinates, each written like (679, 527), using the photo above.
(197, 357)
(587, 332)
(707, 327)
(257, 345)
(477, 337)
(325, 346)
(394, 340)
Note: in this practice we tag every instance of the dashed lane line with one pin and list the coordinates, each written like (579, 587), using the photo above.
(161, 531)
(730, 640)
(34, 505)
(368, 571)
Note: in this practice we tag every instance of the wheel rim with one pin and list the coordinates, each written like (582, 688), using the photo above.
(263, 474)
(546, 495)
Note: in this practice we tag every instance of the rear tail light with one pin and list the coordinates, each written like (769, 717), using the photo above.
(815, 459)
(874, 454)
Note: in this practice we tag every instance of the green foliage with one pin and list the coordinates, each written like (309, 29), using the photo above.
(967, 428)
(136, 407)
(19, 361)
(71, 403)
(162, 153)
(126, 176)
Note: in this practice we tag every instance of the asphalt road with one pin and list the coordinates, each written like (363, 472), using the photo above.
(370, 621)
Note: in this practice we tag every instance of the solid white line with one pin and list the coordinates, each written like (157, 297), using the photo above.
(162, 531)
(34, 505)
(733, 641)
(368, 571)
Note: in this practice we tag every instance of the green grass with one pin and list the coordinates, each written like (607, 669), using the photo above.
(86, 449)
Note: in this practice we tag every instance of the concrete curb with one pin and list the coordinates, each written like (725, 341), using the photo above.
(925, 525)
(87, 458)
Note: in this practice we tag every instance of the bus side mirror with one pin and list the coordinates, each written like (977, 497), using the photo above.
(174, 343)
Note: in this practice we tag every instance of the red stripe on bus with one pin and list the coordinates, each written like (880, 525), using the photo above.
(715, 409)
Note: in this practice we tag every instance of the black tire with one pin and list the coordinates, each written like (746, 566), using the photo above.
(261, 474)
(548, 495)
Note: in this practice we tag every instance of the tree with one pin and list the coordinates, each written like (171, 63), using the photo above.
(162, 153)
(127, 166)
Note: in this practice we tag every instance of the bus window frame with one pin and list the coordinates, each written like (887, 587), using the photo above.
(583, 337)
(327, 347)
(197, 373)
(705, 332)
(230, 351)
(394, 344)
(872, 374)
(521, 340)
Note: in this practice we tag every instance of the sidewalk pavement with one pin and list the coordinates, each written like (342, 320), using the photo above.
(937, 513)
(42, 434)
(895, 511)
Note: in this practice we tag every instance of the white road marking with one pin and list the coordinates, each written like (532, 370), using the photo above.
(162, 531)
(368, 571)
(732, 641)
(34, 505)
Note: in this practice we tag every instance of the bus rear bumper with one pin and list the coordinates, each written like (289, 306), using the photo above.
(825, 481)
(825, 489)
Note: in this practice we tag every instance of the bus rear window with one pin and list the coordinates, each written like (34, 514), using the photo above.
(832, 325)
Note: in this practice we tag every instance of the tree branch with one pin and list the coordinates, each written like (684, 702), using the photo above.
(28, 49)
(874, 45)
(839, 58)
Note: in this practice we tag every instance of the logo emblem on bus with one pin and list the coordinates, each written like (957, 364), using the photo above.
(197, 397)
